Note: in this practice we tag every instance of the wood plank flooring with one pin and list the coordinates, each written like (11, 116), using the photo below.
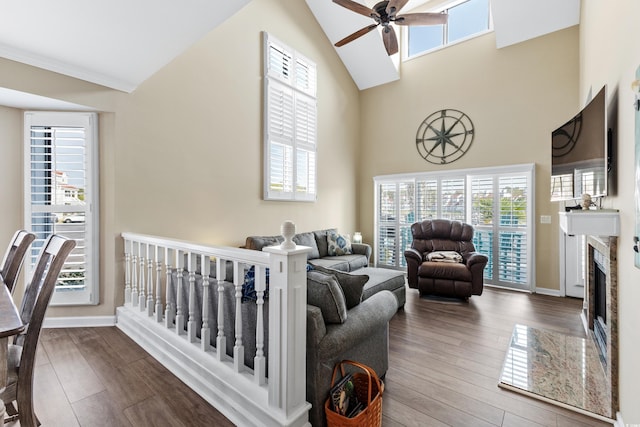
(445, 361)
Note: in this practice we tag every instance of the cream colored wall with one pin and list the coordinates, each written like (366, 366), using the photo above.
(192, 168)
(610, 54)
(10, 174)
(182, 155)
(515, 97)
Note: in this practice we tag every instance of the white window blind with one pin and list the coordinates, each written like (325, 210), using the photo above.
(290, 123)
(61, 196)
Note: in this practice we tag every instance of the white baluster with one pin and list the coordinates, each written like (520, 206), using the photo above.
(128, 244)
(179, 303)
(221, 340)
(150, 262)
(158, 309)
(142, 283)
(238, 348)
(134, 277)
(205, 332)
(259, 361)
(191, 323)
(170, 310)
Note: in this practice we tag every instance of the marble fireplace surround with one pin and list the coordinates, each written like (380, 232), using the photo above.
(608, 247)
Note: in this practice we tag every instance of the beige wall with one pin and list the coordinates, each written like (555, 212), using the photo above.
(10, 174)
(515, 97)
(610, 54)
(192, 167)
(182, 155)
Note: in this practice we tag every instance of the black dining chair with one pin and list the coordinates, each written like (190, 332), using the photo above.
(14, 257)
(21, 355)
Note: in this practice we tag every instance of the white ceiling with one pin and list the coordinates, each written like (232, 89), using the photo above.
(114, 43)
(121, 43)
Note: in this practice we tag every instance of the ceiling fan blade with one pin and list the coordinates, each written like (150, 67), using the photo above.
(390, 40)
(361, 32)
(394, 6)
(356, 7)
(422, 19)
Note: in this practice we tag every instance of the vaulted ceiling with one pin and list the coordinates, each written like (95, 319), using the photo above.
(121, 43)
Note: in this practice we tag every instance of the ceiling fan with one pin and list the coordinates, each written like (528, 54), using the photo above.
(384, 13)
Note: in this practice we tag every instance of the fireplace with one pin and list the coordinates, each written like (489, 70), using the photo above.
(601, 305)
(600, 329)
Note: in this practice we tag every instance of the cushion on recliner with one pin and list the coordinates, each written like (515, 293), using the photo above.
(450, 271)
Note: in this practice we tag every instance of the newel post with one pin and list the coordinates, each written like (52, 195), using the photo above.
(288, 328)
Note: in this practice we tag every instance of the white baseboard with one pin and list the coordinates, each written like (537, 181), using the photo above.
(618, 422)
(79, 322)
(546, 291)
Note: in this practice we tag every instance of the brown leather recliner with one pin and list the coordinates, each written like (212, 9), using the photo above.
(449, 279)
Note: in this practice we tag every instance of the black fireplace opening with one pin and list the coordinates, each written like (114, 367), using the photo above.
(600, 329)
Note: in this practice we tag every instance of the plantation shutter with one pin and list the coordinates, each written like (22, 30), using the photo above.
(61, 195)
(290, 124)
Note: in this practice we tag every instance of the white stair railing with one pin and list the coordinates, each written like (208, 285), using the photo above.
(178, 331)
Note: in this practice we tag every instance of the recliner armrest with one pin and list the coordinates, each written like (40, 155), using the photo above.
(411, 253)
(472, 258)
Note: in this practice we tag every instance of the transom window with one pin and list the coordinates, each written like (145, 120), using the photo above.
(467, 19)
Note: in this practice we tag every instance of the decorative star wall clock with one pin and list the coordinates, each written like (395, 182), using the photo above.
(444, 136)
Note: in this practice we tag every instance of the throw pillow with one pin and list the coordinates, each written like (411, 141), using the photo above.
(324, 292)
(308, 239)
(339, 244)
(351, 285)
(249, 285)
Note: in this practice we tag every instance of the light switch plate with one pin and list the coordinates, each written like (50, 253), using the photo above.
(545, 219)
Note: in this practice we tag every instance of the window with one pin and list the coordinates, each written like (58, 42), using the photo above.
(290, 124)
(466, 19)
(61, 196)
(498, 202)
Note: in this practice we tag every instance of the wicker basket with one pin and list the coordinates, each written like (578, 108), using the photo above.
(368, 389)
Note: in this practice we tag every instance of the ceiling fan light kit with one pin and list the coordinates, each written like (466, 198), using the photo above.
(385, 13)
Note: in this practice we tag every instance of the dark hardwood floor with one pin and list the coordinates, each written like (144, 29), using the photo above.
(445, 361)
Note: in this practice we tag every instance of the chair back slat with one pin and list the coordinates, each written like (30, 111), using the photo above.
(14, 257)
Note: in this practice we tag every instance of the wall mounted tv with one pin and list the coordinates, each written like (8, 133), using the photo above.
(579, 153)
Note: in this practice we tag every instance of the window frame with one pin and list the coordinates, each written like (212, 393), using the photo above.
(90, 295)
(290, 124)
(445, 33)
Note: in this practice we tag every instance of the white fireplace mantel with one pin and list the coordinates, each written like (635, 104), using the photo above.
(591, 222)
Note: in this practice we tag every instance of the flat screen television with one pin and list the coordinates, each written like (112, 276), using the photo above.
(579, 153)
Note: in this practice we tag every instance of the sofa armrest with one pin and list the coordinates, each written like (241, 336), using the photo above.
(363, 320)
(362, 249)
(316, 329)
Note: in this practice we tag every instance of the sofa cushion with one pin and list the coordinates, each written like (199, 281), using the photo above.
(351, 285)
(337, 263)
(258, 242)
(308, 239)
(323, 291)
(321, 241)
(338, 244)
(445, 270)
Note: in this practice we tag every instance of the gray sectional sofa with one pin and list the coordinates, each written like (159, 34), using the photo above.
(359, 332)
